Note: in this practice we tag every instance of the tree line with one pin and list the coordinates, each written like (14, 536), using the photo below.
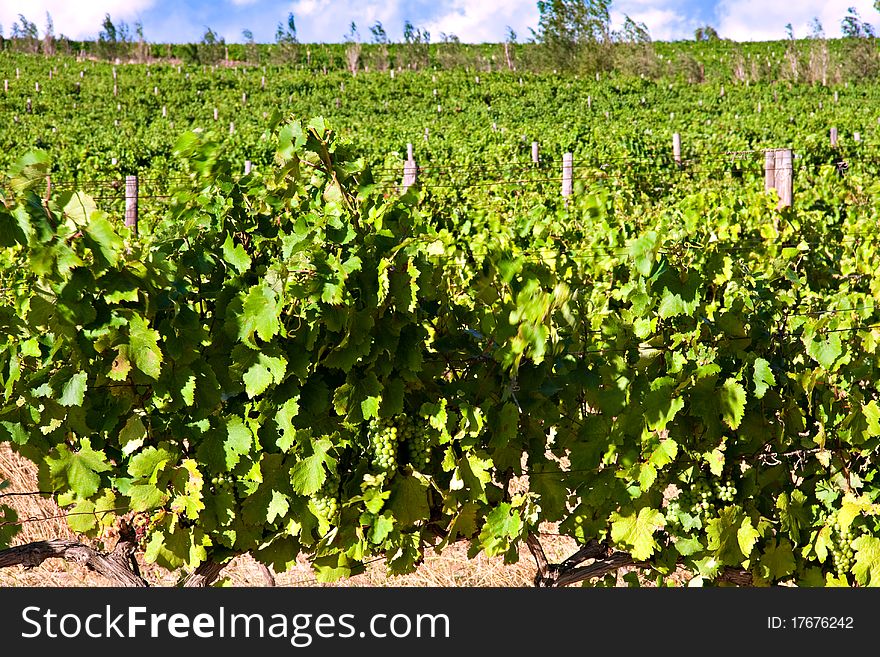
(571, 35)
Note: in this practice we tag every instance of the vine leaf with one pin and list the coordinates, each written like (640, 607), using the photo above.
(307, 475)
(409, 500)
(665, 453)
(793, 514)
(867, 565)
(733, 403)
(263, 373)
(73, 392)
(78, 471)
(143, 347)
(503, 525)
(132, 435)
(278, 506)
(235, 255)
(660, 407)
(778, 560)
(87, 515)
(238, 441)
(763, 378)
(259, 315)
(825, 352)
(105, 240)
(747, 536)
(723, 535)
(871, 412)
(637, 530)
(643, 251)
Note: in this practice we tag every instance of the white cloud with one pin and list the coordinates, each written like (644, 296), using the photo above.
(309, 7)
(325, 21)
(77, 20)
(666, 20)
(243, 3)
(758, 20)
(475, 22)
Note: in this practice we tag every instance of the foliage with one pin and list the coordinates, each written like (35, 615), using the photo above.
(305, 360)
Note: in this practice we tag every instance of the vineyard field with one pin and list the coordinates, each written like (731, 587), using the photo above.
(313, 359)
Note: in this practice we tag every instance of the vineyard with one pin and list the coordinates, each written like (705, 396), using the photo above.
(366, 317)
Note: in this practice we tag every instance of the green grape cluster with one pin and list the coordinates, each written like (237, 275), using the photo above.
(385, 437)
(700, 500)
(725, 491)
(841, 549)
(326, 500)
(418, 441)
(223, 484)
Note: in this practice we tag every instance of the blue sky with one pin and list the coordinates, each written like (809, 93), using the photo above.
(470, 20)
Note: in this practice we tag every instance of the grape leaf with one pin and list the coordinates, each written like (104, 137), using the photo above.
(238, 441)
(409, 500)
(777, 561)
(308, 474)
(278, 506)
(235, 255)
(723, 536)
(503, 526)
(143, 347)
(660, 407)
(131, 437)
(643, 251)
(149, 463)
(105, 241)
(732, 397)
(871, 411)
(13, 431)
(867, 560)
(77, 471)
(747, 536)
(794, 516)
(73, 392)
(825, 352)
(637, 531)
(263, 373)
(259, 315)
(121, 366)
(665, 453)
(763, 378)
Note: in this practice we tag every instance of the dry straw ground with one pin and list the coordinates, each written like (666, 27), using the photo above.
(450, 568)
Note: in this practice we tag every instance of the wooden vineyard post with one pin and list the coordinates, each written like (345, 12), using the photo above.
(769, 170)
(567, 177)
(131, 203)
(410, 169)
(247, 167)
(216, 114)
(857, 136)
(784, 177)
(676, 148)
(536, 159)
(833, 135)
